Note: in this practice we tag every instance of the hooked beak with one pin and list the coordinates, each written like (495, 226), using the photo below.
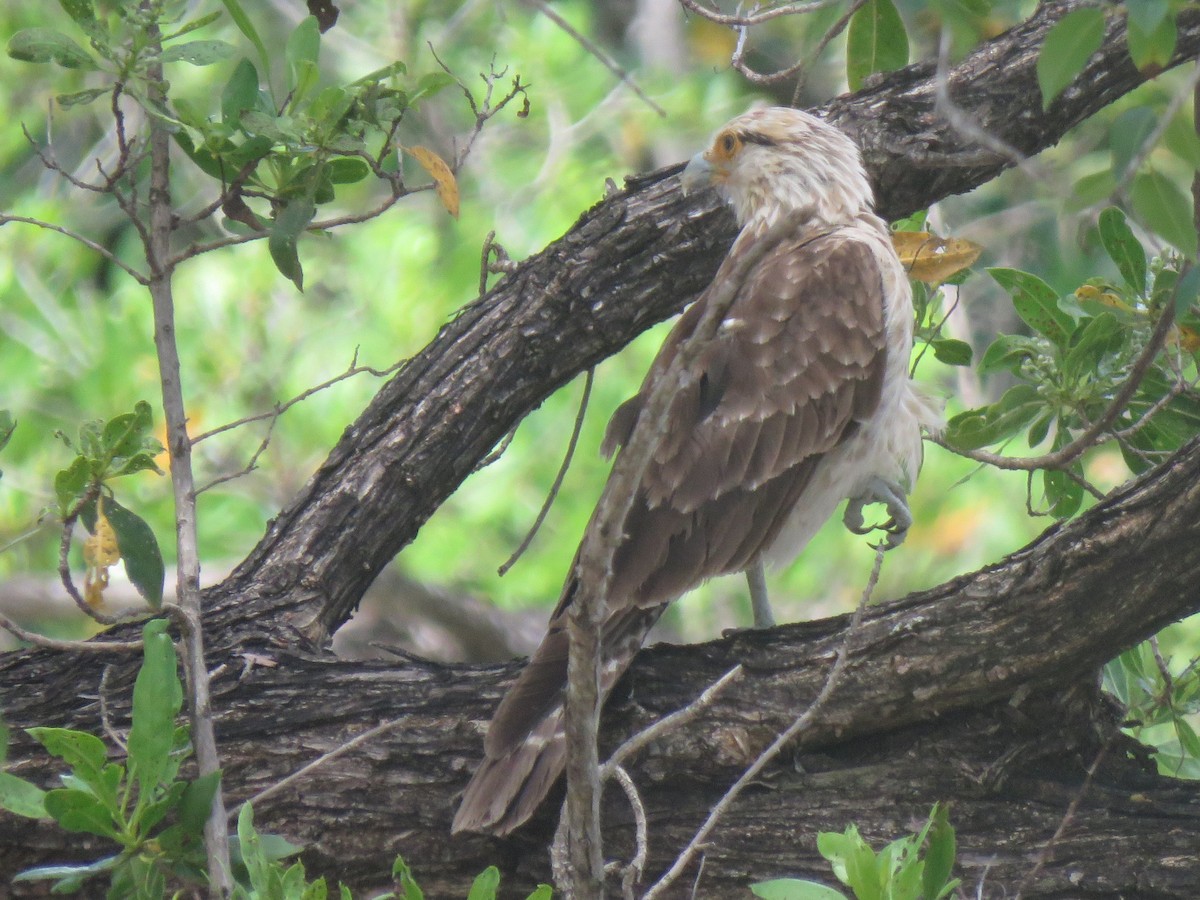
(697, 174)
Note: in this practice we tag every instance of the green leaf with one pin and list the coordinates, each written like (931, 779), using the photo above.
(1187, 737)
(250, 847)
(1036, 303)
(402, 876)
(80, 98)
(347, 170)
(1165, 210)
(157, 699)
(876, 42)
(21, 797)
(193, 25)
(1181, 139)
(195, 805)
(68, 874)
(1123, 248)
(246, 27)
(199, 53)
(1129, 133)
(940, 854)
(794, 889)
(429, 84)
(1063, 493)
(952, 352)
(289, 224)
(1067, 48)
(240, 92)
(991, 424)
(1006, 354)
(485, 885)
(82, 13)
(302, 52)
(84, 753)
(43, 45)
(1091, 189)
(1186, 290)
(1100, 337)
(75, 810)
(140, 551)
(1152, 47)
(542, 892)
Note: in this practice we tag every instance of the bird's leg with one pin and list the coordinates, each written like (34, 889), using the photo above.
(760, 603)
(888, 493)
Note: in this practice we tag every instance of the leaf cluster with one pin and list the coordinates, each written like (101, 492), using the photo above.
(155, 817)
(915, 867)
(106, 450)
(1077, 357)
(1156, 700)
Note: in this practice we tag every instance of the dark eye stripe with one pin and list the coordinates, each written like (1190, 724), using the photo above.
(754, 137)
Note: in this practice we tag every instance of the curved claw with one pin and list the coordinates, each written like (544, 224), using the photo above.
(889, 494)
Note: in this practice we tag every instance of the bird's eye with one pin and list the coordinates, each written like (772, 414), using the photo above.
(726, 145)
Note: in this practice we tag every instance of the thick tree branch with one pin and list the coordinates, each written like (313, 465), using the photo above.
(981, 692)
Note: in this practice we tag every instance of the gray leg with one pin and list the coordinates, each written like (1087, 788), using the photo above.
(759, 601)
(889, 494)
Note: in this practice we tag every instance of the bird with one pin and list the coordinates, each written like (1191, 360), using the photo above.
(801, 399)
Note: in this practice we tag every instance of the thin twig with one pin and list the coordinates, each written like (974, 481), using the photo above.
(737, 60)
(281, 408)
(103, 251)
(789, 734)
(595, 50)
(667, 724)
(552, 494)
(826, 39)
(40, 640)
(105, 721)
(1047, 851)
(632, 876)
(755, 18)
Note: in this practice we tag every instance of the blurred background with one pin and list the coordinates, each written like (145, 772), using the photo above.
(75, 331)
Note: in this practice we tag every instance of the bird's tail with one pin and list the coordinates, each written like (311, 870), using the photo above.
(525, 749)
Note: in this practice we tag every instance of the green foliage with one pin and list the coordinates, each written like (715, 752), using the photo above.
(1077, 359)
(129, 803)
(876, 42)
(916, 867)
(104, 451)
(485, 886)
(1162, 704)
(1066, 50)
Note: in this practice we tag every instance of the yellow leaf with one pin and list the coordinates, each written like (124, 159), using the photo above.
(443, 178)
(932, 259)
(100, 550)
(1187, 338)
(1097, 293)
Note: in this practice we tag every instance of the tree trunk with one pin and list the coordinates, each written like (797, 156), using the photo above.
(981, 692)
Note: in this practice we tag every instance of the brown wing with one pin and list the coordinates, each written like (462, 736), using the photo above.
(796, 367)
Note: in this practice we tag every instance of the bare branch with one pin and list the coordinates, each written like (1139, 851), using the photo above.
(40, 640)
(595, 50)
(552, 494)
(755, 18)
(76, 236)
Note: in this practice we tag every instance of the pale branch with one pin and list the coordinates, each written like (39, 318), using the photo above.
(89, 646)
(95, 247)
(755, 18)
(789, 734)
(597, 52)
(798, 68)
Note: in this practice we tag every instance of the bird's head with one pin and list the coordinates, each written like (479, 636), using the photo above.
(773, 162)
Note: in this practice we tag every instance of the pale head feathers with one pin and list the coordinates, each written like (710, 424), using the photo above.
(773, 162)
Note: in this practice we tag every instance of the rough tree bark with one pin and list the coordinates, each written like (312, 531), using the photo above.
(981, 692)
